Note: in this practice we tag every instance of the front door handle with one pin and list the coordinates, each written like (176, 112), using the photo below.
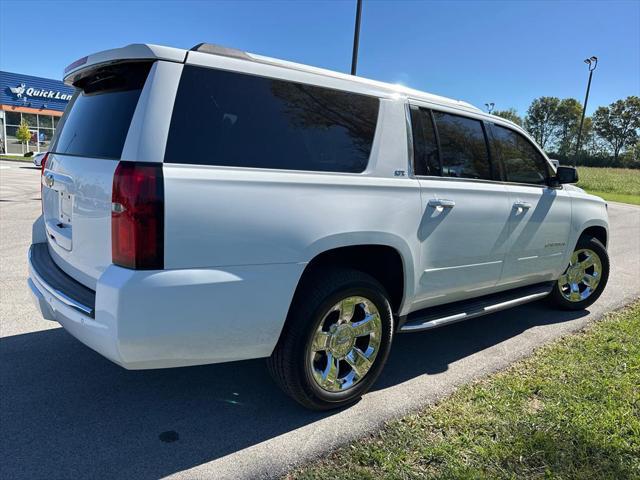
(440, 203)
(521, 206)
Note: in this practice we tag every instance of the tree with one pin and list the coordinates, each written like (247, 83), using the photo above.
(510, 114)
(618, 123)
(541, 119)
(631, 157)
(589, 140)
(24, 134)
(311, 107)
(567, 120)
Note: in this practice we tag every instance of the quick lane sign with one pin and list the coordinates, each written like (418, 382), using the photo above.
(23, 91)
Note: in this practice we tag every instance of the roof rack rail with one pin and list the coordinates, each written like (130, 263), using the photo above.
(214, 49)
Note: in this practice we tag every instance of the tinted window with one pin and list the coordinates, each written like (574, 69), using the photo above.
(463, 148)
(425, 145)
(522, 162)
(232, 119)
(98, 117)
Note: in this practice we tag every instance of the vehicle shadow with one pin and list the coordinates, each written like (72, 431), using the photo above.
(66, 412)
(431, 352)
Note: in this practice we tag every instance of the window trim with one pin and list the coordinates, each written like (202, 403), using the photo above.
(497, 165)
(411, 134)
(437, 134)
(410, 145)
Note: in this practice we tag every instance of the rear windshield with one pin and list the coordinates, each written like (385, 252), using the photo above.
(239, 120)
(98, 117)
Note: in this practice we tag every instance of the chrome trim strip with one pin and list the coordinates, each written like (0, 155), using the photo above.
(515, 301)
(438, 322)
(56, 293)
(482, 180)
(429, 270)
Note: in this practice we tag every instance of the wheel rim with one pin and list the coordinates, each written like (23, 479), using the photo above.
(345, 344)
(582, 276)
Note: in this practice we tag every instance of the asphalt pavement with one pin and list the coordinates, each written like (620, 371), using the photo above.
(66, 412)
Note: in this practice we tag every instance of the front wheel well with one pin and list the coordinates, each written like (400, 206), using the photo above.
(382, 262)
(598, 232)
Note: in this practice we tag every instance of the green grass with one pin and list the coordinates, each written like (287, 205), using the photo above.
(571, 411)
(20, 159)
(618, 197)
(614, 184)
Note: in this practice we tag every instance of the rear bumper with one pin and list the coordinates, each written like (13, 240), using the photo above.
(47, 278)
(169, 318)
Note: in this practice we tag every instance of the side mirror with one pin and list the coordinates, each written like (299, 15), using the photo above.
(566, 175)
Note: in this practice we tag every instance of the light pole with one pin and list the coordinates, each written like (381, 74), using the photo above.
(592, 63)
(490, 106)
(356, 38)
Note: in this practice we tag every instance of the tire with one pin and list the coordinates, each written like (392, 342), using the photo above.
(562, 291)
(300, 372)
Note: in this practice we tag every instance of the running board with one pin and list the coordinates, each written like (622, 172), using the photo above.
(456, 312)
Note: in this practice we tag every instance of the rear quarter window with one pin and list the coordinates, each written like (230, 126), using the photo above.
(238, 120)
(98, 117)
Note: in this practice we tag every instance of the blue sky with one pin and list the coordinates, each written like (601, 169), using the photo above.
(507, 52)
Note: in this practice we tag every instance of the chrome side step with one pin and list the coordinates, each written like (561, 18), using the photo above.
(443, 315)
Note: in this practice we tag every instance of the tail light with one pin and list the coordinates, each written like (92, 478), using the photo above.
(43, 165)
(137, 216)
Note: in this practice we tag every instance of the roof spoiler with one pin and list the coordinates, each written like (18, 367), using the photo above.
(135, 51)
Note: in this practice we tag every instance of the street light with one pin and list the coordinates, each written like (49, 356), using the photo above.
(592, 63)
(490, 106)
(356, 38)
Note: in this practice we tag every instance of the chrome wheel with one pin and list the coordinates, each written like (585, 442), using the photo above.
(582, 276)
(345, 344)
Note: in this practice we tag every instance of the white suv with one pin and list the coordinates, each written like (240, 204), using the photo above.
(212, 205)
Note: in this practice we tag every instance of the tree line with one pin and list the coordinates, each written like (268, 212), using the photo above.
(610, 137)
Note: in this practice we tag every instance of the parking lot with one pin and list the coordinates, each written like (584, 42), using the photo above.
(66, 412)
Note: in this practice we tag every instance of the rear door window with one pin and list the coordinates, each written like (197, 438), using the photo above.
(521, 160)
(463, 147)
(98, 117)
(238, 120)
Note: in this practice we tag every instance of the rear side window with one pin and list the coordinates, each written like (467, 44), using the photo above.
(98, 117)
(425, 145)
(522, 162)
(463, 147)
(232, 119)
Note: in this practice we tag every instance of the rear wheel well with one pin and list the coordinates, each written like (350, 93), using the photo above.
(598, 232)
(382, 262)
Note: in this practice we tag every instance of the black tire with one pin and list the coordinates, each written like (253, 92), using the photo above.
(319, 292)
(556, 297)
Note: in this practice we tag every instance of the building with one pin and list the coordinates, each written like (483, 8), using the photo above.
(37, 101)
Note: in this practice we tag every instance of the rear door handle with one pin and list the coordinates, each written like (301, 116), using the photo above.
(441, 203)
